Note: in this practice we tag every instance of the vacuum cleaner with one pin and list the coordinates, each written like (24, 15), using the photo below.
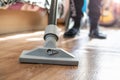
(49, 54)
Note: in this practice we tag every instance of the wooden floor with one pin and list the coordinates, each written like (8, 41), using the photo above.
(98, 59)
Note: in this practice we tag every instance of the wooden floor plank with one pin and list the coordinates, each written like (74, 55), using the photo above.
(98, 59)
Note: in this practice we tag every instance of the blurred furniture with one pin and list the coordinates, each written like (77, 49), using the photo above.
(13, 19)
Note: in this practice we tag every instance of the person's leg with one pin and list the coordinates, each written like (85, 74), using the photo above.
(76, 14)
(94, 15)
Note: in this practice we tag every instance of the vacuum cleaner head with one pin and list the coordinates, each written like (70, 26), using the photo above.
(48, 56)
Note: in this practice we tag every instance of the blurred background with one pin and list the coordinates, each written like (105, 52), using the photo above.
(33, 14)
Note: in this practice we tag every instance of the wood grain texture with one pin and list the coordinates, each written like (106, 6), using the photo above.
(12, 21)
(98, 59)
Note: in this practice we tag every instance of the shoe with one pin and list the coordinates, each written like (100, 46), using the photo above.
(96, 34)
(71, 33)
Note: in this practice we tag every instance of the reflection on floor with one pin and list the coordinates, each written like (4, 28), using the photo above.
(98, 59)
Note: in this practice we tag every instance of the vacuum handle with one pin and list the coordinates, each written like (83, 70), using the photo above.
(53, 12)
